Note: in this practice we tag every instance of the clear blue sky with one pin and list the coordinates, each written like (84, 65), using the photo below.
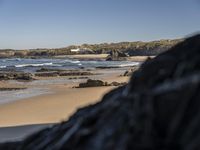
(59, 23)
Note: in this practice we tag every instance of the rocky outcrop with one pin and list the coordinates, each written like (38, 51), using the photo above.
(157, 110)
(12, 88)
(97, 83)
(75, 78)
(13, 75)
(117, 55)
(56, 73)
(117, 83)
(91, 83)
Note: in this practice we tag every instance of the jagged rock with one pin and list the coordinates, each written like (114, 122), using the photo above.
(116, 55)
(96, 83)
(91, 83)
(117, 83)
(157, 110)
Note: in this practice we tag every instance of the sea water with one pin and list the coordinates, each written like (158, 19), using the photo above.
(31, 65)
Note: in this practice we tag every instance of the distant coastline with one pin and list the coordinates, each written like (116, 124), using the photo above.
(138, 48)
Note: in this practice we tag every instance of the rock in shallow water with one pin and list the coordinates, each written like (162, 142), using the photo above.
(157, 110)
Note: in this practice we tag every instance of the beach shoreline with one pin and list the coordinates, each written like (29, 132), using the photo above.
(28, 106)
(61, 100)
(20, 118)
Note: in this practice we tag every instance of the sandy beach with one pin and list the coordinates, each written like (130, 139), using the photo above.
(55, 106)
(28, 106)
(20, 118)
(49, 108)
(85, 56)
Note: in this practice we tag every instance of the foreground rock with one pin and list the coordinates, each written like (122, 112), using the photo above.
(157, 110)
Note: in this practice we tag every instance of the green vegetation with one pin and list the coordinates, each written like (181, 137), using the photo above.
(132, 48)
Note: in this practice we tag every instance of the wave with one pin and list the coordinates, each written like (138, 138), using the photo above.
(33, 65)
(75, 62)
(1, 67)
(71, 61)
(129, 64)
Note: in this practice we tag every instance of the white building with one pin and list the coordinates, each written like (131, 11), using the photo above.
(75, 50)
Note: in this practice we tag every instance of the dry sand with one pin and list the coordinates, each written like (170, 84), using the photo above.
(49, 108)
(85, 56)
(139, 58)
(104, 56)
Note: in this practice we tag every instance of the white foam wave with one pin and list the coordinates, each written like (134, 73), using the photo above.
(75, 62)
(71, 61)
(1, 67)
(33, 65)
(129, 64)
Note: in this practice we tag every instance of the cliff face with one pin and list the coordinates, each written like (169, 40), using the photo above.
(157, 110)
(130, 48)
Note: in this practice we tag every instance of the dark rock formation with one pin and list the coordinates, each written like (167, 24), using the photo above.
(13, 75)
(54, 73)
(75, 78)
(91, 83)
(107, 67)
(157, 110)
(96, 83)
(117, 84)
(47, 74)
(116, 55)
(75, 73)
(48, 70)
(12, 88)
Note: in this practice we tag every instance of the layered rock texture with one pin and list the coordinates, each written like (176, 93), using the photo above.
(157, 110)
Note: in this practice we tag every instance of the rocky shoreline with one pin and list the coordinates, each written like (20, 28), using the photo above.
(48, 72)
(97, 83)
(157, 109)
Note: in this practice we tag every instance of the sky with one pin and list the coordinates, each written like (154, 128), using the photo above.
(26, 24)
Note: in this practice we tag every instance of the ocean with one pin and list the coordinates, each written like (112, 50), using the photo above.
(31, 65)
